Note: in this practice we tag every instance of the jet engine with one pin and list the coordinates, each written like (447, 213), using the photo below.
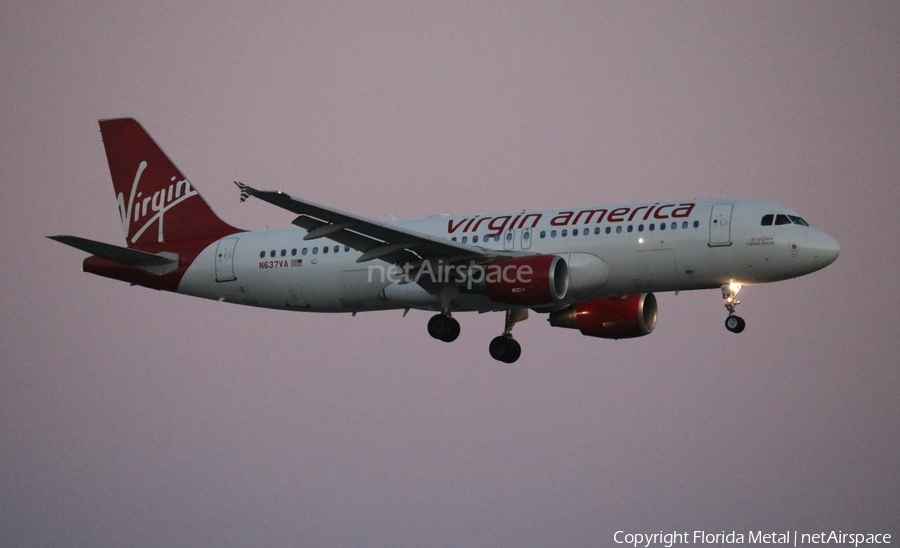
(613, 317)
(529, 281)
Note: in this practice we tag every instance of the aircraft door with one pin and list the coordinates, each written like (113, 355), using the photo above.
(720, 225)
(225, 260)
(526, 238)
(509, 238)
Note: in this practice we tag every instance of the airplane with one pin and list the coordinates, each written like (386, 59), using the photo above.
(594, 268)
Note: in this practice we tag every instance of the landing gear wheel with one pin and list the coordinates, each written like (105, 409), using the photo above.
(453, 334)
(505, 349)
(735, 324)
(443, 328)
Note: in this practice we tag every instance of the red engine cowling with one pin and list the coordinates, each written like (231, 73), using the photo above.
(613, 317)
(529, 281)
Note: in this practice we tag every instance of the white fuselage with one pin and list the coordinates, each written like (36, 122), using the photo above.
(659, 247)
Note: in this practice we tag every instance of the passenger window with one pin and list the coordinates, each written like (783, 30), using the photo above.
(696, 224)
(453, 238)
(662, 226)
(346, 249)
(652, 227)
(608, 229)
(565, 233)
(315, 251)
(553, 234)
(640, 228)
(262, 254)
(283, 252)
(526, 235)
(674, 226)
(782, 220)
(684, 224)
(543, 234)
(474, 239)
(325, 249)
(597, 231)
(294, 252)
(619, 229)
(630, 228)
(767, 220)
(272, 253)
(303, 252)
(465, 239)
(337, 248)
(575, 232)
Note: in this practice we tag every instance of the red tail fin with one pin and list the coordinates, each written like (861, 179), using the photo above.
(157, 204)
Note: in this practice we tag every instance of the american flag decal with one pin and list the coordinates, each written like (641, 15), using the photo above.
(246, 191)
(296, 262)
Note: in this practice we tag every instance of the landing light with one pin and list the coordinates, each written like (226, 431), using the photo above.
(733, 288)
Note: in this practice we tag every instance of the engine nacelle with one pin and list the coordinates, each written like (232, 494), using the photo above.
(587, 275)
(528, 281)
(613, 317)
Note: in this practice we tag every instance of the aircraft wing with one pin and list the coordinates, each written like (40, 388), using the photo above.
(375, 239)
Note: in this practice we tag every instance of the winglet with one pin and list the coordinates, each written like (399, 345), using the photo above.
(246, 191)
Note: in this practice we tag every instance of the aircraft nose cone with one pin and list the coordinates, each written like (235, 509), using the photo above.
(826, 249)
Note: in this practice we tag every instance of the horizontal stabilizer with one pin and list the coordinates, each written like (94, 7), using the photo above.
(121, 255)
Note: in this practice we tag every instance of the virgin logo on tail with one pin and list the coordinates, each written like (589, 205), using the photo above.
(155, 205)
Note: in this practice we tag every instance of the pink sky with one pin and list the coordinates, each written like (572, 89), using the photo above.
(131, 417)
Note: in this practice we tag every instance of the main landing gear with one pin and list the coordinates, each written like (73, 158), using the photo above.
(504, 348)
(733, 323)
(443, 327)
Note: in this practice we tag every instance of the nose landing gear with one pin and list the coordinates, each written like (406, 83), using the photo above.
(733, 323)
(504, 348)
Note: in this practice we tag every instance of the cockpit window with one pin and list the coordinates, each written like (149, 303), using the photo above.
(771, 218)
